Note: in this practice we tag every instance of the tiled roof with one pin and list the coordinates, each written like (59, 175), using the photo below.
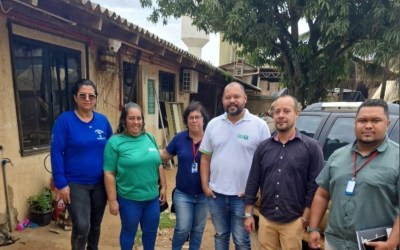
(112, 16)
(96, 9)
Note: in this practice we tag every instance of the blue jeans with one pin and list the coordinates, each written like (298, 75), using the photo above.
(227, 216)
(88, 202)
(191, 217)
(147, 213)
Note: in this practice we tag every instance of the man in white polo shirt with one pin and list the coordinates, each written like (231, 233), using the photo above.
(227, 150)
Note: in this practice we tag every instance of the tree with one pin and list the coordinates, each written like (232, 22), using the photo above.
(268, 32)
(384, 52)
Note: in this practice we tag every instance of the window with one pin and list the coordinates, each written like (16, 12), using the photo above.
(190, 81)
(130, 82)
(239, 72)
(308, 124)
(341, 134)
(186, 77)
(166, 94)
(167, 87)
(43, 76)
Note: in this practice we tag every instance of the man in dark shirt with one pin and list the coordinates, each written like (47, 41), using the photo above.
(284, 168)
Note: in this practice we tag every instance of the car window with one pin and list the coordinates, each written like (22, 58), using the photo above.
(394, 134)
(308, 124)
(340, 134)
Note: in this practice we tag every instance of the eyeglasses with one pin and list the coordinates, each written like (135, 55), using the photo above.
(193, 118)
(85, 96)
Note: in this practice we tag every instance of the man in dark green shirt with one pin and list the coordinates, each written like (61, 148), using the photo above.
(362, 180)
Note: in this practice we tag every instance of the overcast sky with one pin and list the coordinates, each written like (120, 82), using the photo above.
(134, 13)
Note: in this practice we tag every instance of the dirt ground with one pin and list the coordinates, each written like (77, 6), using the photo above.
(54, 238)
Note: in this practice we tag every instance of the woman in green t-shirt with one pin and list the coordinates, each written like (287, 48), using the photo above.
(132, 171)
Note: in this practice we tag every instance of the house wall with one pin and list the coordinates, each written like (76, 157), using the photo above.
(267, 88)
(28, 174)
(151, 72)
(8, 131)
(257, 104)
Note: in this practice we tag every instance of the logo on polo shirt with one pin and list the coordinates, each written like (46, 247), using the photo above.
(243, 136)
(100, 134)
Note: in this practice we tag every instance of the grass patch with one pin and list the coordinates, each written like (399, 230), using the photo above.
(138, 237)
(165, 222)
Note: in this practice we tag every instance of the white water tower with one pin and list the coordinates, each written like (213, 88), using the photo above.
(193, 37)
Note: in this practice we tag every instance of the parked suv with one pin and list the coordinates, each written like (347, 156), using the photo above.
(332, 124)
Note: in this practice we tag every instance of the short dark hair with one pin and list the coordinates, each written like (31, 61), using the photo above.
(195, 106)
(78, 84)
(375, 103)
(124, 112)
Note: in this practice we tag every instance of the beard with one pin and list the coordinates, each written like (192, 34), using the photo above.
(235, 112)
(284, 127)
(372, 141)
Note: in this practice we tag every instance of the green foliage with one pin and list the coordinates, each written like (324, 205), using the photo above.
(41, 202)
(268, 32)
(386, 46)
(166, 221)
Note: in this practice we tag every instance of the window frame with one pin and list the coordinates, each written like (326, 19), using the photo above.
(57, 53)
(130, 79)
(165, 87)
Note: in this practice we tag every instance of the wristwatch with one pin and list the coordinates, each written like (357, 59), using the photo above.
(313, 229)
(247, 215)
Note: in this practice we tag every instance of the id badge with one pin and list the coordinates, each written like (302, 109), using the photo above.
(195, 168)
(350, 187)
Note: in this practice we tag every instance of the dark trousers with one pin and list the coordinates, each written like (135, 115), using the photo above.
(86, 209)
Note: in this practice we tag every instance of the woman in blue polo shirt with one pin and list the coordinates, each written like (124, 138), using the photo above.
(78, 140)
(190, 203)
